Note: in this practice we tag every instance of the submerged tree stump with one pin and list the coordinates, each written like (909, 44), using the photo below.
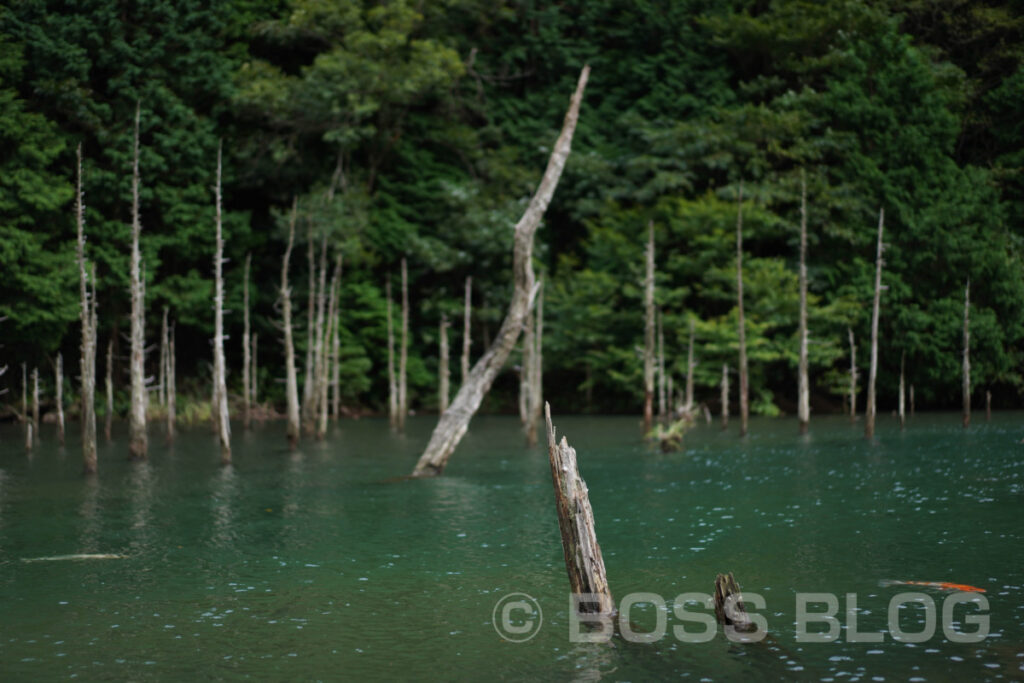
(583, 560)
(729, 610)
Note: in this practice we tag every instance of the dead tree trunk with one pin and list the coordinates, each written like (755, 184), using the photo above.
(291, 382)
(442, 365)
(741, 324)
(902, 411)
(88, 344)
(24, 407)
(466, 339)
(525, 372)
(869, 421)
(403, 352)
(725, 396)
(35, 400)
(246, 351)
(138, 445)
(172, 390)
(60, 398)
(690, 368)
(649, 331)
(392, 381)
(109, 417)
(583, 561)
(536, 372)
(161, 381)
(988, 405)
(662, 407)
(967, 356)
(455, 421)
(254, 384)
(307, 381)
(853, 377)
(803, 381)
(311, 407)
(911, 400)
(323, 377)
(219, 370)
(336, 349)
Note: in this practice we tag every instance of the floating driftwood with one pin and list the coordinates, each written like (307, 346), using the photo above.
(76, 556)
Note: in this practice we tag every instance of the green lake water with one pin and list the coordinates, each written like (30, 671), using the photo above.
(319, 565)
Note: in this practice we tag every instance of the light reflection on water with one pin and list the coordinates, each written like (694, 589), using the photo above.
(317, 564)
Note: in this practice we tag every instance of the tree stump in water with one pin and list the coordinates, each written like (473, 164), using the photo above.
(729, 607)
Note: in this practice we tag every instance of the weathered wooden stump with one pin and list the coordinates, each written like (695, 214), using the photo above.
(729, 607)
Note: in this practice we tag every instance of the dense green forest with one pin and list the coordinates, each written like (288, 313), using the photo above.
(430, 124)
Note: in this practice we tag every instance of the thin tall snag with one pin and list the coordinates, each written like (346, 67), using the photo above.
(536, 371)
(911, 400)
(869, 422)
(161, 387)
(87, 348)
(307, 382)
(254, 384)
(741, 324)
(526, 372)
(442, 364)
(466, 339)
(324, 365)
(583, 561)
(725, 395)
(853, 379)
(455, 421)
(336, 348)
(35, 400)
(988, 405)
(671, 406)
(902, 412)
(137, 439)
(392, 384)
(649, 330)
(172, 391)
(108, 419)
(219, 371)
(246, 350)
(60, 398)
(690, 368)
(403, 352)
(291, 382)
(803, 381)
(967, 356)
(661, 367)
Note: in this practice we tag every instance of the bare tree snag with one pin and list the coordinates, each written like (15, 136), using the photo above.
(172, 391)
(138, 444)
(583, 561)
(88, 344)
(526, 372)
(291, 382)
(902, 411)
(853, 377)
(307, 381)
(246, 350)
(691, 366)
(725, 396)
(392, 381)
(911, 400)
(254, 384)
(662, 407)
(536, 371)
(455, 421)
(466, 339)
(324, 365)
(35, 400)
(403, 352)
(442, 365)
(24, 407)
(219, 370)
(108, 419)
(670, 399)
(967, 356)
(988, 405)
(336, 348)
(59, 377)
(161, 382)
(869, 415)
(741, 324)
(803, 381)
(649, 330)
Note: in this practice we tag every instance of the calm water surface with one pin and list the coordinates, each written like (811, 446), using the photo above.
(313, 565)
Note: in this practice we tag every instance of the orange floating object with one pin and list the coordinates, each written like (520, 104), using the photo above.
(941, 585)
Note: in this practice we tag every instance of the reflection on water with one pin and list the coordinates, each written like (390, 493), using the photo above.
(301, 565)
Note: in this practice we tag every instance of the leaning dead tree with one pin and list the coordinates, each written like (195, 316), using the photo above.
(741, 324)
(220, 393)
(803, 381)
(442, 365)
(583, 560)
(137, 439)
(869, 415)
(536, 371)
(246, 347)
(87, 314)
(291, 382)
(466, 339)
(403, 352)
(392, 384)
(455, 421)
(853, 377)
(59, 377)
(967, 356)
(649, 330)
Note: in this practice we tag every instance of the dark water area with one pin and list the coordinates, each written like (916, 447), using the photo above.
(318, 565)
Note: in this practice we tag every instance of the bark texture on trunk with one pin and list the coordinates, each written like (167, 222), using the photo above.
(246, 350)
(536, 371)
(291, 381)
(967, 355)
(392, 380)
(649, 330)
(138, 443)
(87, 318)
(455, 421)
(853, 376)
(466, 339)
(583, 561)
(869, 415)
(741, 325)
(442, 365)
(803, 381)
(59, 377)
(403, 352)
(219, 369)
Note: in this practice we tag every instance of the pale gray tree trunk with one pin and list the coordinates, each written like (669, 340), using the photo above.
(536, 371)
(246, 350)
(392, 382)
(172, 391)
(803, 381)
(138, 443)
(219, 369)
(326, 339)
(670, 400)
(109, 417)
(988, 405)
(526, 372)
(466, 339)
(442, 365)
(35, 401)
(662, 406)
(911, 400)
(691, 367)
(307, 382)
(336, 349)
(403, 353)
(455, 421)
(291, 382)
(161, 382)
(853, 377)
(87, 348)
(649, 330)
(725, 395)
(902, 414)
(967, 356)
(311, 407)
(869, 415)
(583, 561)
(254, 384)
(24, 407)
(741, 324)
(60, 398)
